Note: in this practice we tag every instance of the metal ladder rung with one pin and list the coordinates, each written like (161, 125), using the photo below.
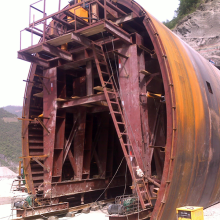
(110, 83)
(99, 53)
(121, 123)
(124, 134)
(105, 73)
(111, 92)
(119, 113)
(103, 63)
(114, 102)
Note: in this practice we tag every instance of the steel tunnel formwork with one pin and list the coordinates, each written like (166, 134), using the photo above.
(179, 154)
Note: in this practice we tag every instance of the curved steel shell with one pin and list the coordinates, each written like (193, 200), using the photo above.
(191, 169)
(193, 84)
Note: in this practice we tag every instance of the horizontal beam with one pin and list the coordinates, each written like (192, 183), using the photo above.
(115, 8)
(81, 40)
(76, 187)
(117, 32)
(54, 14)
(33, 59)
(36, 33)
(62, 22)
(57, 52)
(45, 210)
(83, 100)
(125, 18)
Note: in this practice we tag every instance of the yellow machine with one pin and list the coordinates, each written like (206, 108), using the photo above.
(190, 212)
(79, 11)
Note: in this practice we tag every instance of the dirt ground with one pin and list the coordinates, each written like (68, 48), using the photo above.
(211, 213)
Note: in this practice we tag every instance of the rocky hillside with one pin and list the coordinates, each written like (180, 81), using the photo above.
(10, 139)
(201, 30)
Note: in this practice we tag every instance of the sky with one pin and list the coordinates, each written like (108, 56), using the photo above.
(14, 16)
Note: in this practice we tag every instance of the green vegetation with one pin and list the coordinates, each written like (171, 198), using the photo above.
(16, 110)
(185, 7)
(10, 139)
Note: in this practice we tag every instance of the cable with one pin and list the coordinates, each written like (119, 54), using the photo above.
(111, 180)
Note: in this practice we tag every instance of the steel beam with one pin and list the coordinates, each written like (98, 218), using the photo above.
(33, 59)
(117, 32)
(49, 110)
(83, 100)
(125, 18)
(63, 22)
(81, 40)
(76, 187)
(146, 151)
(129, 84)
(79, 141)
(43, 210)
(57, 52)
(89, 79)
(36, 33)
(103, 143)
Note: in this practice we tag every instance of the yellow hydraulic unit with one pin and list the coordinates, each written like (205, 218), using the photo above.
(80, 12)
(190, 212)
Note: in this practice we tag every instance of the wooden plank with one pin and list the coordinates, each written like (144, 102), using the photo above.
(99, 88)
(33, 49)
(83, 100)
(92, 30)
(66, 38)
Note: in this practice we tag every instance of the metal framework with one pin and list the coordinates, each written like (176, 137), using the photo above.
(108, 82)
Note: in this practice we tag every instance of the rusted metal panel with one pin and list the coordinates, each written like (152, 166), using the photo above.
(193, 176)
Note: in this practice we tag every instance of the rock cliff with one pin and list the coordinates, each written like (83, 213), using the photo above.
(201, 30)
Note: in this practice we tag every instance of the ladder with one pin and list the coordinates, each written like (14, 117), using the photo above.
(119, 123)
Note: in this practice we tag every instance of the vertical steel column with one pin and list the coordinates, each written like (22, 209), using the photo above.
(59, 5)
(88, 146)
(146, 151)
(44, 32)
(105, 12)
(79, 142)
(89, 78)
(129, 83)
(60, 132)
(94, 11)
(103, 142)
(49, 111)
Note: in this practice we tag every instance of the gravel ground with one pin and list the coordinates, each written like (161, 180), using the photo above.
(211, 213)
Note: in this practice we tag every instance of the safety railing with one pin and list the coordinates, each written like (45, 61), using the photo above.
(42, 32)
